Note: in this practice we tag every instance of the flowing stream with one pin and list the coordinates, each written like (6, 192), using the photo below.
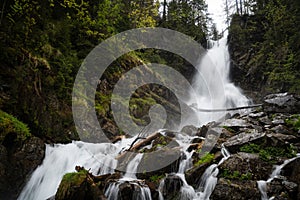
(262, 185)
(214, 91)
(211, 82)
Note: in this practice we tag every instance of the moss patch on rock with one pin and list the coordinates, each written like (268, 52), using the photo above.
(12, 129)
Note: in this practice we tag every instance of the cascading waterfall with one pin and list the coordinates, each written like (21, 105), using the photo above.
(130, 175)
(97, 157)
(212, 85)
(262, 185)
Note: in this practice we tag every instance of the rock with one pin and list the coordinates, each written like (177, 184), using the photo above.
(159, 162)
(281, 129)
(292, 172)
(172, 186)
(131, 190)
(235, 123)
(194, 174)
(282, 103)
(234, 143)
(265, 120)
(202, 132)
(17, 163)
(279, 188)
(77, 186)
(257, 114)
(235, 189)
(189, 130)
(245, 164)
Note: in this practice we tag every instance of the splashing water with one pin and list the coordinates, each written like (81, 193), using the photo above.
(262, 185)
(213, 87)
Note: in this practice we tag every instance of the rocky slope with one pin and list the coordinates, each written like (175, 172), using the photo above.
(257, 141)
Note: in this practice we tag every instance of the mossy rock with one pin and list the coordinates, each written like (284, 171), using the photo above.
(77, 186)
(12, 130)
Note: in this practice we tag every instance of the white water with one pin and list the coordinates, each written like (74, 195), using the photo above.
(262, 185)
(214, 91)
(213, 88)
(62, 158)
(132, 167)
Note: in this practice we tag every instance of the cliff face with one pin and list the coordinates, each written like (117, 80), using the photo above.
(265, 58)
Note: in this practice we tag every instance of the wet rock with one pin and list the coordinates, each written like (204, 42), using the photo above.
(245, 166)
(202, 132)
(159, 162)
(292, 172)
(281, 103)
(17, 163)
(235, 123)
(234, 143)
(279, 188)
(257, 115)
(171, 188)
(189, 130)
(237, 190)
(265, 120)
(131, 190)
(194, 174)
(281, 129)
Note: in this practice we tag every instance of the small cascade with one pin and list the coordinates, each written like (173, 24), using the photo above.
(45, 179)
(209, 178)
(262, 185)
(143, 193)
(132, 167)
(112, 191)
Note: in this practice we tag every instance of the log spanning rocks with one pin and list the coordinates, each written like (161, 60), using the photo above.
(257, 141)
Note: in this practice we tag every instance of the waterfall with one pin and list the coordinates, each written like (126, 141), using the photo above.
(262, 185)
(212, 84)
(62, 158)
(132, 167)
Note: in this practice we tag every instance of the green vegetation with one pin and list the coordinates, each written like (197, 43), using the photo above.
(11, 125)
(43, 43)
(269, 154)
(156, 177)
(266, 45)
(229, 129)
(207, 158)
(294, 121)
(228, 174)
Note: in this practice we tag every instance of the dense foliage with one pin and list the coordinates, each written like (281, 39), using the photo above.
(43, 43)
(265, 45)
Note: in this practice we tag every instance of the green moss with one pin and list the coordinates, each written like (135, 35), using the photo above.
(75, 177)
(228, 174)
(10, 125)
(269, 154)
(207, 158)
(229, 129)
(294, 121)
(156, 177)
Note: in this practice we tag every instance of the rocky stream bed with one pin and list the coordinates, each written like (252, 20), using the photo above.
(261, 161)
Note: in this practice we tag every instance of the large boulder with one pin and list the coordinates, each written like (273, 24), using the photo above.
(292, 172)
(77, 186)
(171, 187)
(245, 166)
(17, 162)
(282, 103)
(235, 190)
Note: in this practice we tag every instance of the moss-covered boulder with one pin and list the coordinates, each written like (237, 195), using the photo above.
(79, 185)
(20, 154)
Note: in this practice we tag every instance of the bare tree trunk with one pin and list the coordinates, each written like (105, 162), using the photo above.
(2, 12)
(241, 7)
(237, 6)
